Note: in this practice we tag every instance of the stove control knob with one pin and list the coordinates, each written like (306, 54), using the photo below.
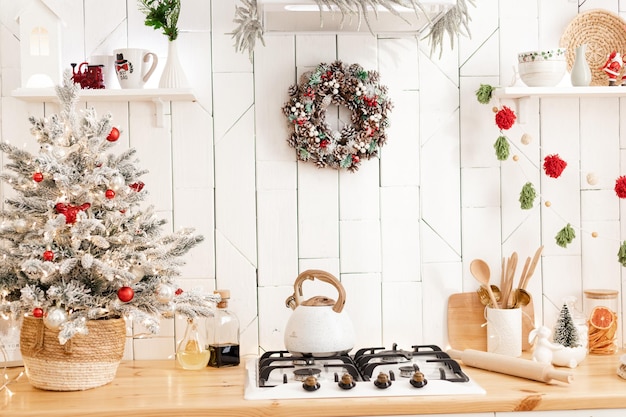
(346, 382)
(382, 381)
(418, 380)
(310, 384)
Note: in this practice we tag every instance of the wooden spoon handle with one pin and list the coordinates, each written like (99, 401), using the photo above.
(532, 267)
(522, 279)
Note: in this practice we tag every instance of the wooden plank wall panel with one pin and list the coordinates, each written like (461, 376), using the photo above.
(193, 187)
(154, 149)
(399, 244)
(235, 171)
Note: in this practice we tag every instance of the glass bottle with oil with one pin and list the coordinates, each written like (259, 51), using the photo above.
(223, 334)
(191, 352)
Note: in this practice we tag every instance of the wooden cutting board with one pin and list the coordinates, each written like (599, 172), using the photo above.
(466, 316)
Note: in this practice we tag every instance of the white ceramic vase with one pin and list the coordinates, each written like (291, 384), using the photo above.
(173, 75)
(580, 74)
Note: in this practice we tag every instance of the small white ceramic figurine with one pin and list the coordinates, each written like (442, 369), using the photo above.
(544, 348)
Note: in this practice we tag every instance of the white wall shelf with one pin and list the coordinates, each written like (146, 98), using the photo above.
(521, 95)
(157, 96)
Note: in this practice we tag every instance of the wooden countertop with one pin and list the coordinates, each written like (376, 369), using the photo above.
(160, 388)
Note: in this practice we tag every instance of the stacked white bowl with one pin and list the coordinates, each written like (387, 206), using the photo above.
(542, 68)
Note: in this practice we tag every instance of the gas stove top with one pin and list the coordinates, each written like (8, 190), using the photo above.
(369, 372)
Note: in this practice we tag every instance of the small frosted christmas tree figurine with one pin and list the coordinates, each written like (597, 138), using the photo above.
(565, 332)
(75, 245)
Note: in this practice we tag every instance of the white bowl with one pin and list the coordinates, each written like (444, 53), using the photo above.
(543, 73)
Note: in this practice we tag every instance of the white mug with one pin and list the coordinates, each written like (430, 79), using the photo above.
(504, 331)
(131, 66)
(108, 69)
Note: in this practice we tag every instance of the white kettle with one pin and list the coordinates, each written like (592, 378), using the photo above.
(318, 327)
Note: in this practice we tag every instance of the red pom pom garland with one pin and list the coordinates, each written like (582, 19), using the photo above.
(620, 186)
(505, 118)
(553, 165)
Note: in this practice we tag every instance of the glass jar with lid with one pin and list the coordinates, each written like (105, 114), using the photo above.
(600, 307)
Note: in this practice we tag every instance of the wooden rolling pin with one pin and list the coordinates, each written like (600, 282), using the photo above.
(508, 365)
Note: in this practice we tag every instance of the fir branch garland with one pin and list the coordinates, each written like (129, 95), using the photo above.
(483, 94)
(249, 27)
(502, 148)
(621, 254)
(565, 236)
(454, 22)
(527, 196)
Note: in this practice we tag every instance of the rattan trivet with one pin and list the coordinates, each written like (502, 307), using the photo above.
(603, 32)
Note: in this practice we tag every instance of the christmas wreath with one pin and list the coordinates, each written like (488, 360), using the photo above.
(351, 86)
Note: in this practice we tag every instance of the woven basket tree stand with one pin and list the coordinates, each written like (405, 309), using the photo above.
(84, 362)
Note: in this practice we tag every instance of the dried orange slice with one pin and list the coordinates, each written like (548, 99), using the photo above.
(602, 318)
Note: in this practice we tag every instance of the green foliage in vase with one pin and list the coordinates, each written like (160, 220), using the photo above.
(162, 14)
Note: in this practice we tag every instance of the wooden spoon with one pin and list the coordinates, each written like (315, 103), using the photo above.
(480, 271)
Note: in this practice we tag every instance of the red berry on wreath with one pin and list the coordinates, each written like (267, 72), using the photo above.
(113, 135)
(38, 312)
(37, 177)
(48, 255)
(110, 194)
(355, 159)
(125, 294)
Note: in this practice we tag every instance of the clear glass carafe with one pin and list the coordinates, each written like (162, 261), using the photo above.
(191, 352)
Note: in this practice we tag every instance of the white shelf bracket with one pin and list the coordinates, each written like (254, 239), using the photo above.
(522, 104)
(159, 111)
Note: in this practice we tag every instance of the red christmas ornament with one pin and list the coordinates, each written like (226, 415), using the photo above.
(505, 118)
(620, 186)
(137, 186)
(48, 255)
(125, 294)
(70, 211)
(38, 312)
(113, 135)
(178, 291)
(37, 177)
(553, 165)
(109, 194)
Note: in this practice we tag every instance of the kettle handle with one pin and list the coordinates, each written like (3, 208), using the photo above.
(311, 274)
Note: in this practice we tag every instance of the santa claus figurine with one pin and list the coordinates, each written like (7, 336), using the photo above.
(613, 66)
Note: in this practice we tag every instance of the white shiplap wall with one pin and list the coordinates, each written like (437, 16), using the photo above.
(401, 232)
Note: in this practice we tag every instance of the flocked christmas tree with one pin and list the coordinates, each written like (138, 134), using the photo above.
(565, 332)
(75, 243)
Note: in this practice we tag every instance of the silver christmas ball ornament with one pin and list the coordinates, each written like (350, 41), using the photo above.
(54, 318)
(168, 310)
(138, 272)
(165, 294)
(117, 182)
(20, 225)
